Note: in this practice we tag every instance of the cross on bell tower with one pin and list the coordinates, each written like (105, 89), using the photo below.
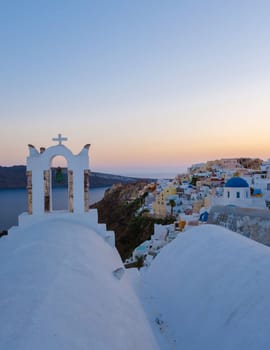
(60, 139)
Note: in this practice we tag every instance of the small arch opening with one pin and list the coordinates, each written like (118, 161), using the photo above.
(59, 183)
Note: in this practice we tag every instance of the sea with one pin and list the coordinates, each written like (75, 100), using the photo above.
(13, 202)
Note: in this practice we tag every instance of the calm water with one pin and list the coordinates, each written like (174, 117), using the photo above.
(13, 202)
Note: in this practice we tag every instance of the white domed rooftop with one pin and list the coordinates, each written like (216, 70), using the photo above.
(59, 290)
(209, 290)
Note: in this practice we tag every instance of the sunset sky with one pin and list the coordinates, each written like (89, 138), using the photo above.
(153, 85)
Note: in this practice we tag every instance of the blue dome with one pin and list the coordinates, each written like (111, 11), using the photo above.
(236, 182)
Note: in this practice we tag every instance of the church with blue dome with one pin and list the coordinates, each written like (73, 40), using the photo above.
(236, 191)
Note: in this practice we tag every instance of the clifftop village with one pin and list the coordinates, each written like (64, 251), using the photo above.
(221, 187)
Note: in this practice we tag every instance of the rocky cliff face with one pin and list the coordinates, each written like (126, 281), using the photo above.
(252, 223)
(118, 210)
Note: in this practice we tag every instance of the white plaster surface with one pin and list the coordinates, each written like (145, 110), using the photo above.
(209, 289)
(58, 291)
(38, 162)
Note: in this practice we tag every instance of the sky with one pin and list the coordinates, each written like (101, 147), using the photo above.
(153, 85)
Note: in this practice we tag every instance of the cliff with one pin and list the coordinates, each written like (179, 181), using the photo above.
(118, 210)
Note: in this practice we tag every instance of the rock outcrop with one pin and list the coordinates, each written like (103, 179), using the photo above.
(252, 223)
(118, 210)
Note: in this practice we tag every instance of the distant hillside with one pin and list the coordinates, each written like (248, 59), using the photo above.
(101, 179)
(15, 177)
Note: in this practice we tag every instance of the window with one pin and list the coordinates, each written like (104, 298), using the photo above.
(228, 194)
(237, 194)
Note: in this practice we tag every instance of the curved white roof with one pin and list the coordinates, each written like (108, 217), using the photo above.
(58, 291)
(209, 289)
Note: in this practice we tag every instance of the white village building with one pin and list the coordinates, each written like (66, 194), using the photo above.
(265, 166)
(236, 191)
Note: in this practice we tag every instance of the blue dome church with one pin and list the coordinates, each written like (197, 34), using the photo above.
(236, 191)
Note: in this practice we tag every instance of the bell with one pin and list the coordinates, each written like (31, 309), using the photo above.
(59, 177)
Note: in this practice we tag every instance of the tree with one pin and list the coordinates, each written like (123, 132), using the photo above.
(140, 261)
(143, 197)
(172, 204)
(193, 180)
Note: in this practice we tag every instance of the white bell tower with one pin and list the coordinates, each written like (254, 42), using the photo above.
(39, 179)
(39, 190)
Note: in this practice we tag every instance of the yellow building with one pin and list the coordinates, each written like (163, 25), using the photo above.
(159, 206)
(208, 202)
(198, 205)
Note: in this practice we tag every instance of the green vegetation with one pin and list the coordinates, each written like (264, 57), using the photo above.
(139, 228)
(172, 204)
(193, 180)
(140, 262)
(143, 197)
